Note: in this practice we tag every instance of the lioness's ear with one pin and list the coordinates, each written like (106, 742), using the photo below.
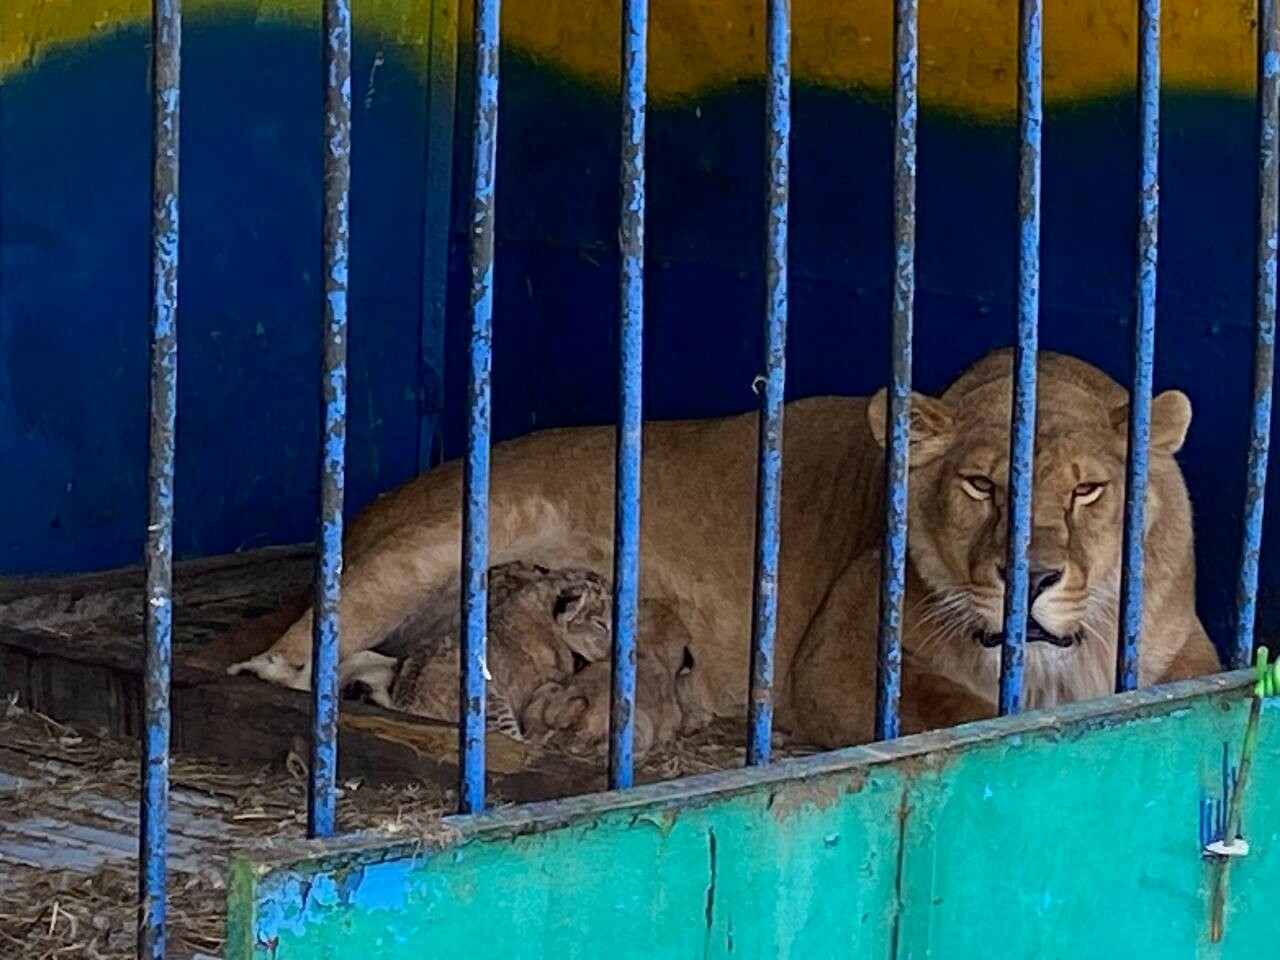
(1170, 421)
(931, 425)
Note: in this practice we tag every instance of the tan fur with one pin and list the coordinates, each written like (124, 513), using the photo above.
(538, 620)
(957, 542)
(552, 498)
(575, 714)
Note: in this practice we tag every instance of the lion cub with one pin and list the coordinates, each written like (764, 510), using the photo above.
(539, 621)
(575, 713)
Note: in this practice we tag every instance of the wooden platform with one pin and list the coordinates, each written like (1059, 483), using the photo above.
(71, 648)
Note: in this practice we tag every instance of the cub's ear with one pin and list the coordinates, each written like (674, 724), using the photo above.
(569, 603)
(931, 425)
(1170, 421)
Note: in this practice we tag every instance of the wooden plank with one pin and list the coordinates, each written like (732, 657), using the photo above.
(86, 831)
(285, 564)
(376, 745)
(98, 686)
(1062, 835)
(71, 647)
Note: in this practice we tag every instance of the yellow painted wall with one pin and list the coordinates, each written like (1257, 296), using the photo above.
(967, 46)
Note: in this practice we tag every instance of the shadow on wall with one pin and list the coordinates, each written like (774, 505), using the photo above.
(74, 251)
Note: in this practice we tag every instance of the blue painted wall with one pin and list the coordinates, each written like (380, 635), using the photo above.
(74, 255)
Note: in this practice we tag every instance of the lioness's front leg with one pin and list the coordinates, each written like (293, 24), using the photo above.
(832, 684)
(379, 592)
(1195, 658)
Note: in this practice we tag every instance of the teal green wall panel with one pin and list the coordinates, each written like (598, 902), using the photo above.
(1030, 837)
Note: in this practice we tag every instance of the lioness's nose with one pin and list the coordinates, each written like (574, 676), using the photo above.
(1041, 578)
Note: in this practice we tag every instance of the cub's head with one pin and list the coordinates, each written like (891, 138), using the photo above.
(958, 502)
(582, 610)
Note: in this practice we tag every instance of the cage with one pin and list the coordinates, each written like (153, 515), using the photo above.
(562, 215)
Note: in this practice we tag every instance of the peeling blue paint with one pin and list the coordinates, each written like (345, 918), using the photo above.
(631, 247)
(166, 78)
(321, 799)
(893, 555)
(385, 886)
(1144, 347)
(475, 515)
(769, 471)
(1264, 333)
(1022, 443)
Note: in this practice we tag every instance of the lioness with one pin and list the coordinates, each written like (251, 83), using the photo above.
(552, 497)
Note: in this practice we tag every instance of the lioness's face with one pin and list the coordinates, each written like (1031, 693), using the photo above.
(958, 509)
(1078, 497)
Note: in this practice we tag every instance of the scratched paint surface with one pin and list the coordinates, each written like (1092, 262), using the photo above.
(1041, 835)
(1001, 843)
(726, 879)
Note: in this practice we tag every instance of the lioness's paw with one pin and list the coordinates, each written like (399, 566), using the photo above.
(274, 668)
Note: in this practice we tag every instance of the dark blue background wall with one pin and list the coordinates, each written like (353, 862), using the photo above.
(74, 272)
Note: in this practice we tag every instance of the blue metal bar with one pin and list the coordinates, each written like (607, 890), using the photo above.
(1022, 444)
(893, 574)
(153, 833)
(333, 383)
(626, 549)
(1144, 345)
(475, 515)
(769, 472)
(1264, 350)
(442, 84)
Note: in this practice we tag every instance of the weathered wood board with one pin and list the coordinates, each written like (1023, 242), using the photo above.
(1065, 836)
(71, 648)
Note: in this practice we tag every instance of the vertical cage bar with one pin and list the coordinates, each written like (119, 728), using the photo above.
(1144, 345)
(893, 574)
(475, 515)
(769, 470)
(1264, 349)
(1022, 444)
(333, 440)
(626, 548)
(153, 833)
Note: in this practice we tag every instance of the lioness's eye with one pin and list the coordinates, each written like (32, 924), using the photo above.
(977, 486)
(1087, 493)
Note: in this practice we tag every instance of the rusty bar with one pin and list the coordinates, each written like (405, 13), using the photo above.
(475, 515)
(1264, 349)
(1144, 345)
(153, 827)
(626, 548)
(893, 575)
(1022, 443)
(333, 438)
(769, 471)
